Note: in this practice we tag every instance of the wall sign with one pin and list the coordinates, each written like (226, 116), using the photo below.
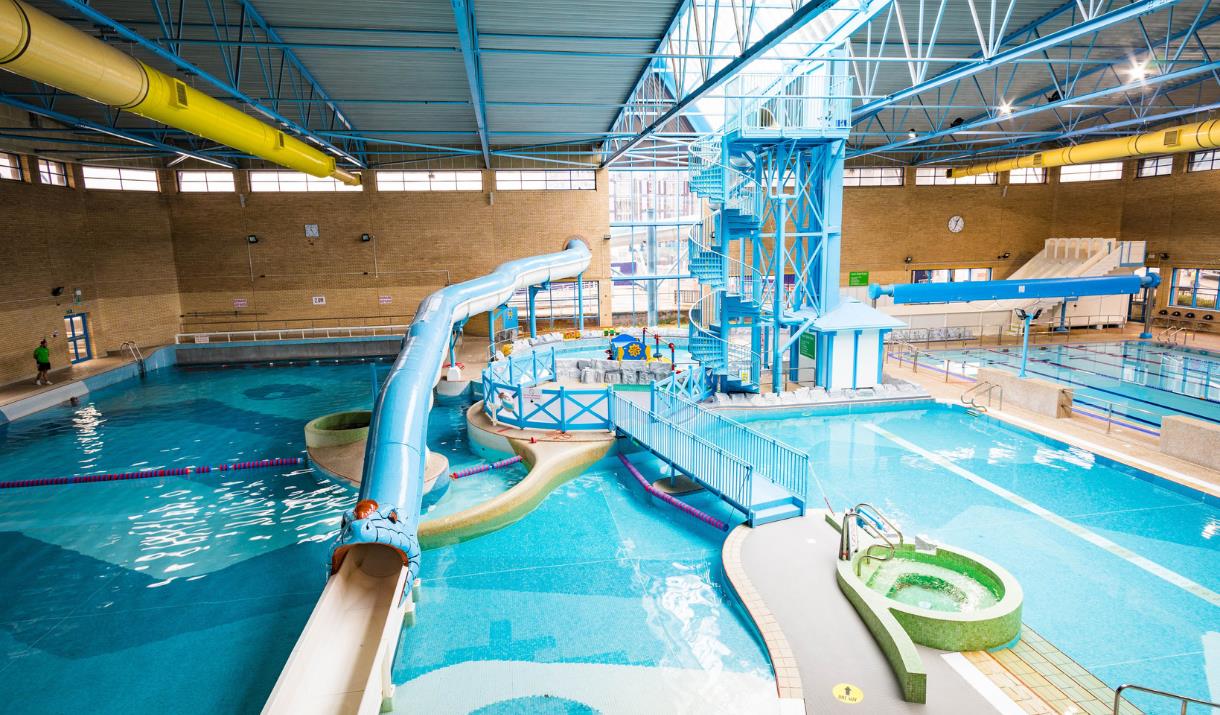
(809, 345)
(319, 300)
(385, 299)
(857, 278)
(240, 303)
(311, 230)
(532, 395)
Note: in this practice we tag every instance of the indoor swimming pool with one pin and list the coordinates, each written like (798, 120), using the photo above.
(1142, 381)
(1118, 569)
(217, 574)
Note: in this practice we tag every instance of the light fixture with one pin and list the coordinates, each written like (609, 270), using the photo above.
(1003, 256)
(911, 133)
(1137, 72)
(1164, 256)
(1005, 109)
(957, 122)
(365, 238)
(1054, 96)
(251, 239)
(908, 259)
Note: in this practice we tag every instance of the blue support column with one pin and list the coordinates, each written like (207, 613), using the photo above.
(580, 301)
(533, 295)
(1029, 318)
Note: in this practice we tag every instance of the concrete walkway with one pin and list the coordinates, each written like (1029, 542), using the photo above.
(791, 566)
(61, 376)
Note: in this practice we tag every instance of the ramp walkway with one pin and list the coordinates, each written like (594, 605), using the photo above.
(760, 477)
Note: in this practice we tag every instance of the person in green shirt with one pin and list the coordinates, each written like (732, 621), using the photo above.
(42, 356)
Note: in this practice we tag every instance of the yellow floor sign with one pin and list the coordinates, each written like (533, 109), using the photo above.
(847, 693)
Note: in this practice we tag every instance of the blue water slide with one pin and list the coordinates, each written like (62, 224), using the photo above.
(392, 484)
(1029, 288)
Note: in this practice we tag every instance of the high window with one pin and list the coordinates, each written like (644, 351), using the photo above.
(10, 167)
(1155, 166)
(1100, 171)
(286, 181)
(545, 180)
(202, 182)
(950, 275)
(937, 176)
(119, 179)
(53, 173)
(873, 176)
(1029, 175)
(429, 181)
(1195, 287)
(1204, 161)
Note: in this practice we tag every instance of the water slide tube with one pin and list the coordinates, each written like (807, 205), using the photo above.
(341, 663)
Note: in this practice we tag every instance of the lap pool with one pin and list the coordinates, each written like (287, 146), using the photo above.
(1143, 381)
(1118, 571)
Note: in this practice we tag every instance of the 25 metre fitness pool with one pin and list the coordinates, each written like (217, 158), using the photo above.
(1143, 381)
(1118, 571)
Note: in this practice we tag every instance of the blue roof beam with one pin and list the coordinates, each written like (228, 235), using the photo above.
(468, 38)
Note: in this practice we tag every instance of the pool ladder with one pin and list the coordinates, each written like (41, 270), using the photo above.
(970, 398)
(1185, 701)
(871, 521)
(133, 350)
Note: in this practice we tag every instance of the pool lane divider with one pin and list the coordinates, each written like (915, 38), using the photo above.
(154, 473)
(677, 503)
(1071, 527)
(479, 468)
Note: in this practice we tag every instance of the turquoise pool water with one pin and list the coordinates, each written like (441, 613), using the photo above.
(597, 586)
(1145, 381)
(181, 595)
(1072, 527)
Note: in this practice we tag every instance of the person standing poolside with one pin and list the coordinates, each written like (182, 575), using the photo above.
(42, 356)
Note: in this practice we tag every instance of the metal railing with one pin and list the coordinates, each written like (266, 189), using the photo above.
(231, 336)
(780, 464)
(972, 395)
(1126, 409)
(1175, 335)
(758, 102)
(712, 466)
(133, 350)
(1185, 700)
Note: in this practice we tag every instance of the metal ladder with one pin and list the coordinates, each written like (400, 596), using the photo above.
(1183, 699)
(870, 520)
(971, 396)
(133, 350)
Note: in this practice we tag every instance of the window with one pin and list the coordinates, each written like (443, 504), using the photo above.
(54, 173)
(873, 176)
(1195, 287)
(556, 308)
(1204, 161)
(429, 181)
(206, 181)
(10, 167)
(295, 181)
(105, 177)
(547, 180)
(951, 275)
(1031, 175)
(937, 176)
(1101, 171)
(1155, 166)
(652, 195)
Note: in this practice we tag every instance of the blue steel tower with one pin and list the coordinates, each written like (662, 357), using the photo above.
(768, 257)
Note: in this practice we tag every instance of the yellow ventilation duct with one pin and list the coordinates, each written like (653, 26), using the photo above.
(37, 46)
(1189, 137)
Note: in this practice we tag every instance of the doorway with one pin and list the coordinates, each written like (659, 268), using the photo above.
(76, 330)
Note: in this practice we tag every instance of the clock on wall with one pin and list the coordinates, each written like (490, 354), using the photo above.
(956, 224)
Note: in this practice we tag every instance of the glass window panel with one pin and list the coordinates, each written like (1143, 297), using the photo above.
(1029, 175)
(937, 176)
(54, 173)
(121, 179)
(1100, 171)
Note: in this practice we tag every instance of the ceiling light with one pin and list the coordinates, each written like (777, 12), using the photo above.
(911, 134)
(1137, 72)
(1005, 109)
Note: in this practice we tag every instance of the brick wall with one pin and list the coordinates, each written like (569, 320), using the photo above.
(113, 246)
(421, 241)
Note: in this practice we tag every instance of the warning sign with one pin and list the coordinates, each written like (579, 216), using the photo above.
(532, 395)
(847, 693)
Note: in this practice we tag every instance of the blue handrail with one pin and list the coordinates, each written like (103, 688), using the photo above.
(391, 488)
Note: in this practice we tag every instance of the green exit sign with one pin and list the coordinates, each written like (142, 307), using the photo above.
(857, 278)
(809, 345)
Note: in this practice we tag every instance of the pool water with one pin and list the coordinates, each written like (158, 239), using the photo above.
(1145, 381)
(599, 585)
(930, 586)
(447, 436)
(1118, 572)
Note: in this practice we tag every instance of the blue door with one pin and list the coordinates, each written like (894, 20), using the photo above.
(76, 329)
